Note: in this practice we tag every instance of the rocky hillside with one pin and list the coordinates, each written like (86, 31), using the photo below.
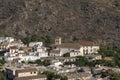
(91, 20)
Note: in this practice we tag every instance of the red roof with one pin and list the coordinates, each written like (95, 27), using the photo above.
(76, 45)
(13, 47)
(26, 48)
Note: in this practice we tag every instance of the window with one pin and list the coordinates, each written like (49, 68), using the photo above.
(84, 51)
(91, 50)
(95, 50)
(87, 51)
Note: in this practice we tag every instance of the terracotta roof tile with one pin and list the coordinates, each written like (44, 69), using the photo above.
(13, 47)
(76, 45)
(69, 45)
(26, 48)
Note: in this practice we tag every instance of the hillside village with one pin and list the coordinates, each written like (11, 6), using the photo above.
(35, 61)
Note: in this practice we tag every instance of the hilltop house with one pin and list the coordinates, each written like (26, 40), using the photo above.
(17, 43)
(6, 39)
(83, 47)
(29, 74)
(75, 53)
(13, 49)
(21, 73)
(31, 44)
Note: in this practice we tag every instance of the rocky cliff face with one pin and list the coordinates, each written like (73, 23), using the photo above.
(92, 20)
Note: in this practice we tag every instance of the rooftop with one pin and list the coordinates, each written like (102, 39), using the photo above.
(55, 51)
(57, 58)
(30, 77)
(26, 48)
(26, 70)
(13, 47)
(69, 45)
(77, 45)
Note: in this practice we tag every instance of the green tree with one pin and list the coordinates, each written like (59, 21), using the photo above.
(64, 78)
(36, 37)
(2, 62)
(2, 77)
(82, 61)
(114, 52)
(66, 55)
(48, 40)
(51, 75)
(39, 62)
(54, 76)
(115, 76)
(26, 40)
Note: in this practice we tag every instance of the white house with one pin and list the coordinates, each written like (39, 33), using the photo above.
(31, 44)
(6, 39)
(27, 58)
(23, 73)
(25, 55)
(9, 39)
(40, 49)
(29, 74)
(3, 46)
(94, 57)
(18, 43)
(13, 49)
(42, 54)
(76, 53)
(83, 47)
(32, 57)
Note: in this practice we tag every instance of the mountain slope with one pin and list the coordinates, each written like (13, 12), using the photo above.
(91, 20)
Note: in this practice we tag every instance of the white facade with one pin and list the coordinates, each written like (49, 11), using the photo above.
(42, 54)
(66, 50)
(6, 39)
(83, 49)
(57, 64)
(15, 54)
(28, 58)
(56, 53)
(9, 39)
(95, 49)
(18, 44)
(40, 49)
(24, 57)
(31, 44)
(76, 53)
(89, 49)
(13, 50)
